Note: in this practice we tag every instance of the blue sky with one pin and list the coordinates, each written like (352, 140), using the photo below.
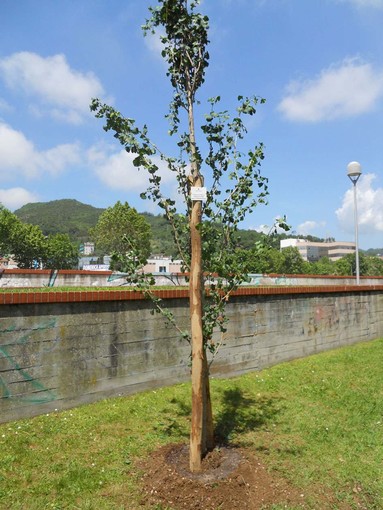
(318, 64)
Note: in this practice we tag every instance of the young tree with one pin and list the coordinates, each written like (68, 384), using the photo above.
(121, 229)
(219, 189)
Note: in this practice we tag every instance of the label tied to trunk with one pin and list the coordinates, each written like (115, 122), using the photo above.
(198, 193)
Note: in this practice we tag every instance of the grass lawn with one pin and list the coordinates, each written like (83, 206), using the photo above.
(315, 421)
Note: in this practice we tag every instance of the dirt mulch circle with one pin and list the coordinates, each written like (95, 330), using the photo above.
(230, 479)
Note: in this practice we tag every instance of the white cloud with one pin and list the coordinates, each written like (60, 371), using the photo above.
(19, 155)
(60, 91)
(309, 226)
(269, 229)
(56, 160)
(369, 205)
(4, 106)
(349, 89)
(154, 44)
(14, 198)
(116, 169)
(16, 153)
(377, 4)
(263, 229)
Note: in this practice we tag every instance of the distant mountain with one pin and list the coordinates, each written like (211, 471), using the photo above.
(71, 217)
(61, 216)
(373, 252)
(74, 218)
(162, 239)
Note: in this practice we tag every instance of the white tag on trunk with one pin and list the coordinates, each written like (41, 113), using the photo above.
(198, 193)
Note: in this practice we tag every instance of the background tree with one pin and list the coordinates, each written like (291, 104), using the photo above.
(292, 262)
(346, 266)
(8, 224)
(374, 266)
(31, 249)
(28, 246)
(59, 252)
(262, 259)
(206, 235)
(323, 266)
(121, 230)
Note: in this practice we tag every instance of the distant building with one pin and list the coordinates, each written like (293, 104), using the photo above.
(90, 263)
(313, 251)
(3, 263)
(160, 264)
(155, 264)
(87, 248)
(7, 263)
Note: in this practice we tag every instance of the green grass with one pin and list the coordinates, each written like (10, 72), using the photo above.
(63, 289)
(318, 422)
(85, 289)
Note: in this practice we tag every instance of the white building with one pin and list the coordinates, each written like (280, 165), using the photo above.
(313, 251)
(88, 248)
(7, 263)
(160, 264)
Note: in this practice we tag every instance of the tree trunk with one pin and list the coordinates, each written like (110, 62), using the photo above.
(209, 425)
(202, 430)
(201, 436)
(197, 436)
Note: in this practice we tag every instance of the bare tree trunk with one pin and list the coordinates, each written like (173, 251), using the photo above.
(201, 436)
(209, 426)
(197, 436)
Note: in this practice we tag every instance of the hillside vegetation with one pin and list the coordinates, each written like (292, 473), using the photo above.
(61, 216)
(68, 216)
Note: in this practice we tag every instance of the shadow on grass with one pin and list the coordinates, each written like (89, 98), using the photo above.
(171, 419)
(241, 414)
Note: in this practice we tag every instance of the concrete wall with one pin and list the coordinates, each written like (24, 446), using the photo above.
(62, 349)
(17, 278)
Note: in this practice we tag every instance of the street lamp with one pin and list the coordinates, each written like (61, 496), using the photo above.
(354, 171)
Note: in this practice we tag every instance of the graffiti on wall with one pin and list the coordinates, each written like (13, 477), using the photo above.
(323, 318)
(13, 371)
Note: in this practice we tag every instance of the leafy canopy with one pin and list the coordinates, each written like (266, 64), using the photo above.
(222, 161)
(30, 248)
(121, 231)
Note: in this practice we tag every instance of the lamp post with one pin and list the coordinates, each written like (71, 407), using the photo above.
(354, 172)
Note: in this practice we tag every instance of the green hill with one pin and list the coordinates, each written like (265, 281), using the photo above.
(74, 218)
(71, 217)
(162, 239)
(61, 216)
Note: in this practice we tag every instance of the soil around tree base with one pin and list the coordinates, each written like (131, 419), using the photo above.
(230, 479)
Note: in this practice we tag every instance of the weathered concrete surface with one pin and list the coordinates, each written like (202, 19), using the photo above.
(16, 278)
(59, 355)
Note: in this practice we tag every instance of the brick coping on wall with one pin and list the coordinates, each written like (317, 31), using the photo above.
(32, 296)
